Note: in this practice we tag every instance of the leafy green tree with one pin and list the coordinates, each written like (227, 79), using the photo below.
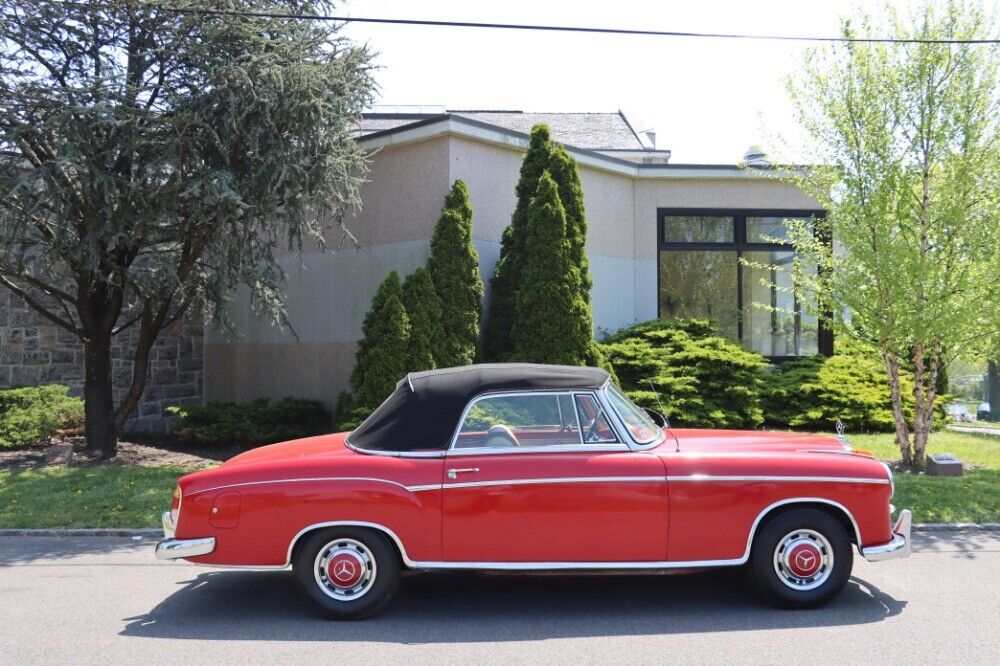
(423, 307)
(547, 328)
(909, 139)
(381, 360)
(454, 270)
(153, 160)
(508, 275)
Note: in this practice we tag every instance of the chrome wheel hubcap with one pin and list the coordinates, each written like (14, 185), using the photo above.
(345, 569)
(803, 559)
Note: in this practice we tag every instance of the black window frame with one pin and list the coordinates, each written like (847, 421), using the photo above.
(739, 246)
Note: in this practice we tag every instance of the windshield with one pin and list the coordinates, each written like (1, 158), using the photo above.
(639, 425)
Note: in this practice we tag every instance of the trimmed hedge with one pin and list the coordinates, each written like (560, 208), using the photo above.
(32, 414)
(685, 370)
(256, 422)
(812, 393)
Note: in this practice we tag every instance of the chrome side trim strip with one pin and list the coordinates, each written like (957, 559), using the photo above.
(301, 480)
(568, 479)
(394, 454)
(703, 478)
(787, 479)
(554, 448)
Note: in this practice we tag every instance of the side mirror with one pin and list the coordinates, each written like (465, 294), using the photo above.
(658, 418)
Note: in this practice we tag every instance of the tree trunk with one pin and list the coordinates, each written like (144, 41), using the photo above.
(99, 407)
(902, 431)
(993, 391)
(924, 414)
(919, 406)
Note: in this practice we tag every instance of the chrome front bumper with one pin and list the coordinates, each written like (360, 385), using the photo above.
(171, 548)
(900, 544)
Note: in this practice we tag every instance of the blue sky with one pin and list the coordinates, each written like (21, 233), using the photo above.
(708, 99)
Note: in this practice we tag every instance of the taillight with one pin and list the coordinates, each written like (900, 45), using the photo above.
(175, 505)
(862, 452)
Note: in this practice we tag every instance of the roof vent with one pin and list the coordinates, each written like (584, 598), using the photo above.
(756, 157)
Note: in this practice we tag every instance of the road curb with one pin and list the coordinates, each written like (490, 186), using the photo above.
(157, 533)
(955, 527)
(84, 532)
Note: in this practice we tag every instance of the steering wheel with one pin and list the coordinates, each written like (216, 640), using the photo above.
(500, 435)
(591, 432)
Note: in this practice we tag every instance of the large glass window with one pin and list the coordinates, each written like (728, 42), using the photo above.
(533, 419)
(697, 229)
(701, 283)
(774, 324)
(701, 275)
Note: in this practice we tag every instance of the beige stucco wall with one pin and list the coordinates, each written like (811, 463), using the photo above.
(404, 194)
(328, 294)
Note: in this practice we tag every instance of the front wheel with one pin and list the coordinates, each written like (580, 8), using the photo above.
(350, 572)
(801, 559)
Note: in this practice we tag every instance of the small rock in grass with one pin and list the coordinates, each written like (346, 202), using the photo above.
(59, 454)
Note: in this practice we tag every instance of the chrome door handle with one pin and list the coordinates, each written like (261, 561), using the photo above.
(453, 473)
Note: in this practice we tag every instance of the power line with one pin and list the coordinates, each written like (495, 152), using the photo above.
(566, 28)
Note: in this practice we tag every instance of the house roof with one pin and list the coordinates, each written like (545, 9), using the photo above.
(380, 130)
(593, 131)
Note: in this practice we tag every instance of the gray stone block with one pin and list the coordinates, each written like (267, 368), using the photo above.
(943, 464)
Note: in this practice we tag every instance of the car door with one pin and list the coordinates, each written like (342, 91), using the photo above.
(543, 477)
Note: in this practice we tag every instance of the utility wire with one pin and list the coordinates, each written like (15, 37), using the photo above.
(565, 28)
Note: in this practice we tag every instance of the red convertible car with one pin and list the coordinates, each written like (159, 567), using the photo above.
(536, 468)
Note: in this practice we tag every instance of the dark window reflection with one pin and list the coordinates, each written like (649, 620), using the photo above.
(698, 229)
(700, 284)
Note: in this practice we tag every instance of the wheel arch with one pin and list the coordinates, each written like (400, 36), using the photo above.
(299, 538)
(834, 509)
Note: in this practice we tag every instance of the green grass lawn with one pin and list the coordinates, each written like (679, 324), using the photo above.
(109, 496)
(971, 448)
(973, 498)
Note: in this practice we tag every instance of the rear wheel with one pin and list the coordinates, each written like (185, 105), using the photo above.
(801, 559)
(349, 572)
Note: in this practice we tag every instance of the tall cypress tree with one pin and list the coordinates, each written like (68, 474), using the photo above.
(454, 270)
(423, 307)
(381, 358)
(563, 169)
(498, 343)
(547, 327)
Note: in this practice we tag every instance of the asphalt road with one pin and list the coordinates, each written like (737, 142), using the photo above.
(106, 600)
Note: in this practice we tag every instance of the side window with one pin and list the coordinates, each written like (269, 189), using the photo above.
(540, 419)
(593, 421)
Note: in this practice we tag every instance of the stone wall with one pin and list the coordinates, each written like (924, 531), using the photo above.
(34, 351)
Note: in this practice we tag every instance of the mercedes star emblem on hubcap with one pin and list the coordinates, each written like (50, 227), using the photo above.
(344, 571)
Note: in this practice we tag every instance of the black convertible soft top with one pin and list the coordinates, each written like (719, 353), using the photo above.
(423, 412)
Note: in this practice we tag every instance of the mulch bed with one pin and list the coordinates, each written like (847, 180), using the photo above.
(147, 453)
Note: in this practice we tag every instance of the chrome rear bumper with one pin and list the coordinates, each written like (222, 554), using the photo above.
(900, 544)
(171, 548)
